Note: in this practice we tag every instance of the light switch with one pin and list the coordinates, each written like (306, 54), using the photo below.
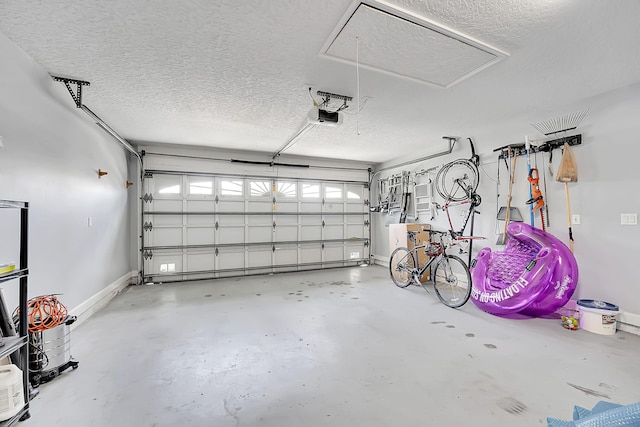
(575, 219)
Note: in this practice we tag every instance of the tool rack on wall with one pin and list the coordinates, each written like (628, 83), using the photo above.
(12, 344)
(545, 147)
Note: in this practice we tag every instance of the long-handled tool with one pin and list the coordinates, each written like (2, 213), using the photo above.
(531, 215)
(502, 239)
(536, 201)
(567, 172)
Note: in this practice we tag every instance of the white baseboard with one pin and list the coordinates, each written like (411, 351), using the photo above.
(93, 304)
(380, 260)
(629, 322)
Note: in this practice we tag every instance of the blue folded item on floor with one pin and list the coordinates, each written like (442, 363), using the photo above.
(604, 414)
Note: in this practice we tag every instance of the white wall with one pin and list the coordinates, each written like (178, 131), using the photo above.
(51, 155)
(609, 184)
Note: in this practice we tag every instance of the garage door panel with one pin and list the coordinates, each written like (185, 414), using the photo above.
(333, 252)
(166, 205)
(355, 231)
(333, 207)
(163, 220)
(200, 235)
(231, 206)
(261, 206)
(201, 205)
(356, 207)
(166, 263)
(259, 257)
(286, 256)
(259, 234)
(234, 220)
(334, 232)
(167, 236)
(201, 261)
(195, 220)
(231, 234)
(230, 258)
(286, 206)
(259, 220)
(311, 207)
(311, 254)
(355, 251)
(310, 232)
(286, 233)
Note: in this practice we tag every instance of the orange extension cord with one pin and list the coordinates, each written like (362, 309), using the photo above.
(45, 312)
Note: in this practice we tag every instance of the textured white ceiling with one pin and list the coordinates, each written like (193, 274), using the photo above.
(235, 74)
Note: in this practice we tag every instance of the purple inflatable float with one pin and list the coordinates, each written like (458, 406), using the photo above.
(534, 276)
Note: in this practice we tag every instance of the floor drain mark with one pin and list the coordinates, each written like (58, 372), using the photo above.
(258, 295)
(207, 296)
(512, 406)
(590, 391)
(450, 326)
(354, 297)
(490, 346)
(437, 322)
(470, 335)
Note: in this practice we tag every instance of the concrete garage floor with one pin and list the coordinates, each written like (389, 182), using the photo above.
(343, 347)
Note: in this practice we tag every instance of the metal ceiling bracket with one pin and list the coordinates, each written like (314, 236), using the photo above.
(77, 97)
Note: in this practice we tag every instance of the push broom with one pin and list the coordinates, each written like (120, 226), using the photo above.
(567, 172)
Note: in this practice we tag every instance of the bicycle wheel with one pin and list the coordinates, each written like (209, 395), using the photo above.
(456, 180)
(452, 281)
(401, 267)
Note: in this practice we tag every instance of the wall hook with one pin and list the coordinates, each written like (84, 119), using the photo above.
(128, 184)
(101, 173)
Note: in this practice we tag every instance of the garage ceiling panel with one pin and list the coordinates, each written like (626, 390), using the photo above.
(387, 39)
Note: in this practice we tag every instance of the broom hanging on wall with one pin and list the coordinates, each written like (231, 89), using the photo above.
(567, 172)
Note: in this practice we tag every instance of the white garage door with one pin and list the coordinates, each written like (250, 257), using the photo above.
(199, 227)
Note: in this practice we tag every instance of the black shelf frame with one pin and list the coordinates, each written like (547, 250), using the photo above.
(17, 346)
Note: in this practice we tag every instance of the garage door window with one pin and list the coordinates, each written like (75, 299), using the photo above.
(168, 184)
(333, 192)
(260, 188)
(286, 189)
(200, 187)
(311, 191)
(230, 187)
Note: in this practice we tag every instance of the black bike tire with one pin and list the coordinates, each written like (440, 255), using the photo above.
(402, 255)
(441, 179)
(461, 294)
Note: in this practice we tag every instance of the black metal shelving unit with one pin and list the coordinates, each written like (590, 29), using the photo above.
(12, 344)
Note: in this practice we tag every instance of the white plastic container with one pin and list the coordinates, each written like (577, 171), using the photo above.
(598, 317)
(11, 392)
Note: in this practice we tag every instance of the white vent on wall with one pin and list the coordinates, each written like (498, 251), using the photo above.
(401, 43)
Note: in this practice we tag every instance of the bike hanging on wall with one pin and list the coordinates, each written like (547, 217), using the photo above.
(457, 183)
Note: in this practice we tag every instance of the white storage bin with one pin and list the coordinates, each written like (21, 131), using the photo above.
(11, 391)
(598, 317)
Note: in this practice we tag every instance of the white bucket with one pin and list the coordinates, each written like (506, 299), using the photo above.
(598, 317)
(11, 391)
